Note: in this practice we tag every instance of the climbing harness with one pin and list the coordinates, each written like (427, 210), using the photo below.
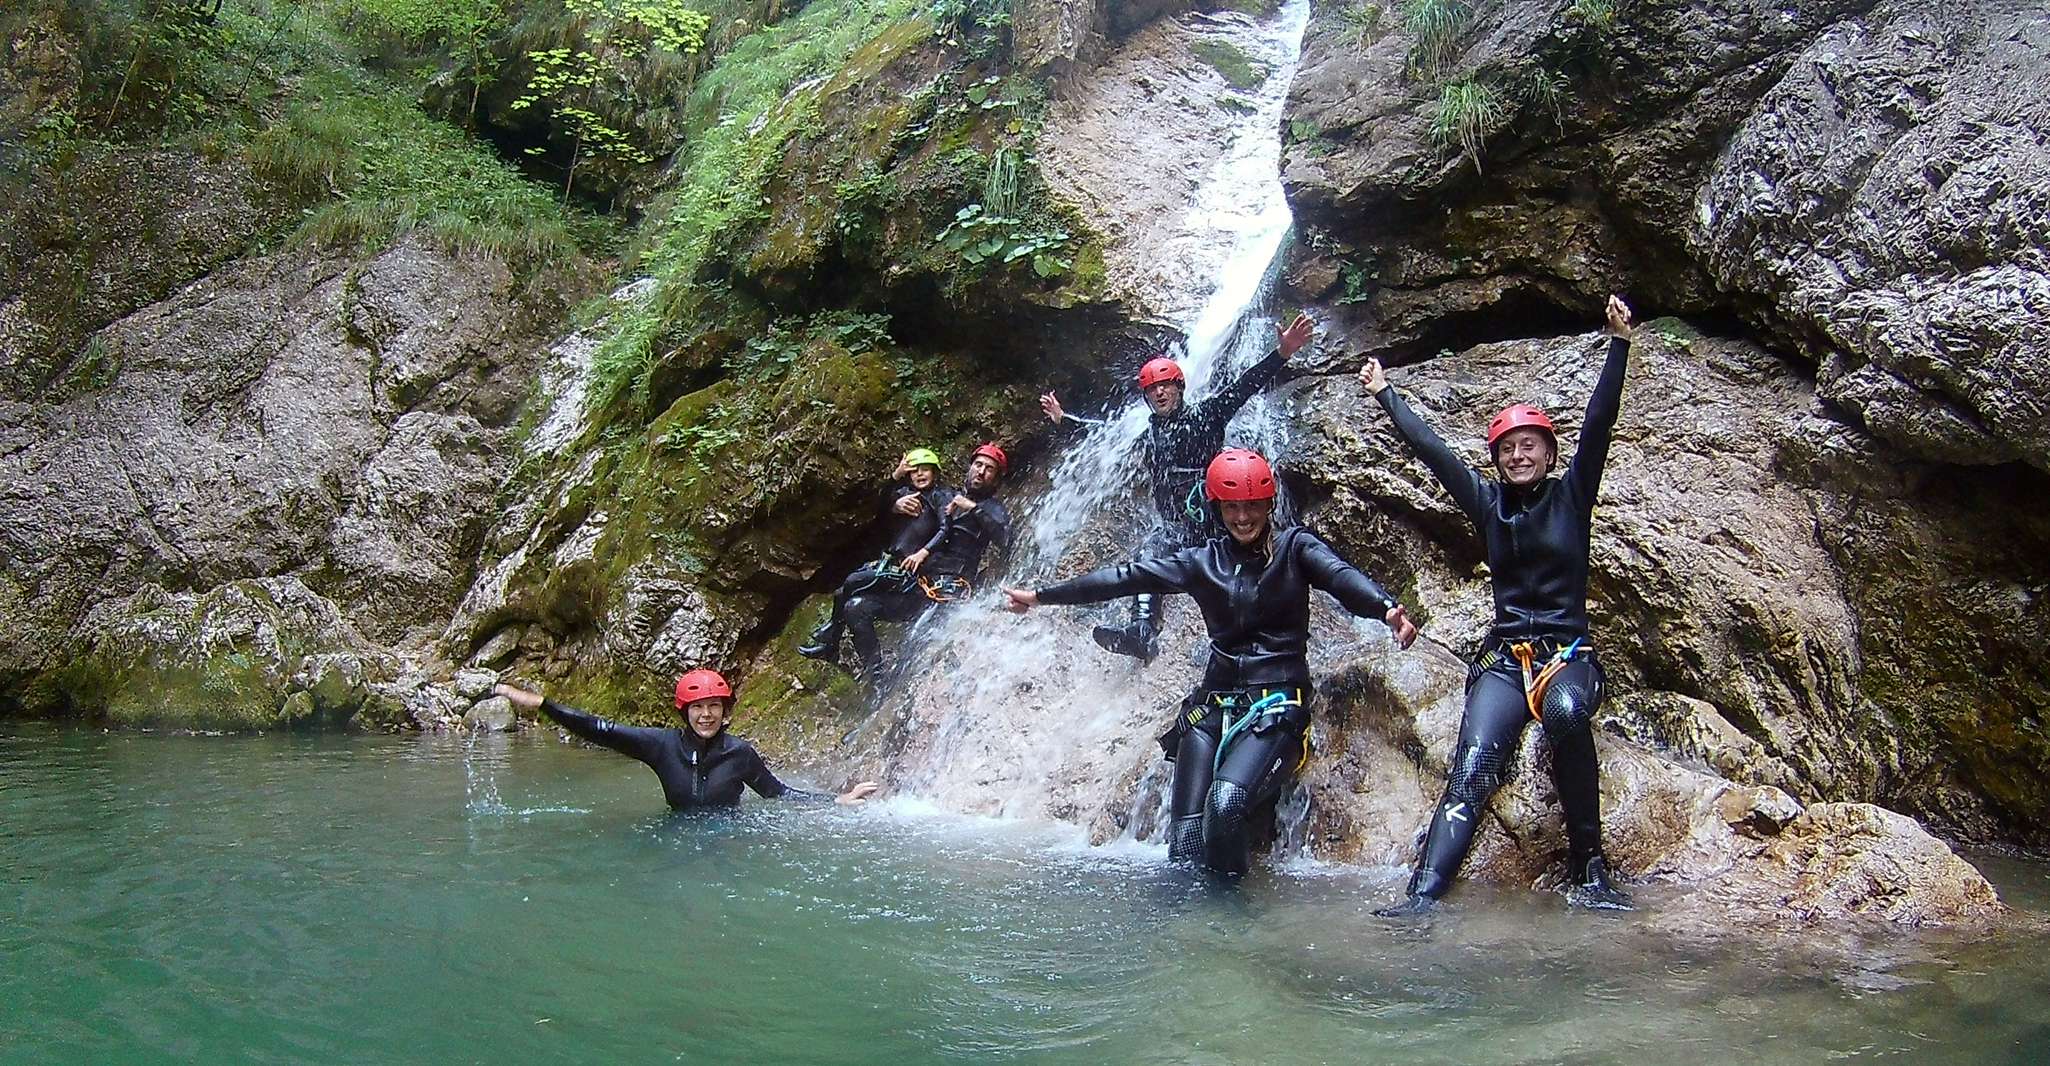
(946, 588)
(1535, 684)
(1194, 505)
(1264, 713)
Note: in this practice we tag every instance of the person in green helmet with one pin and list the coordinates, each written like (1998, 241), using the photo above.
(913, 504)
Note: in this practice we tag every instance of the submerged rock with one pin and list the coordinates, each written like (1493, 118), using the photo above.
(494, 715)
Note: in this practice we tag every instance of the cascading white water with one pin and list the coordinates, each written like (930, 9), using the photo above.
(1026, 717)
(1239, 213)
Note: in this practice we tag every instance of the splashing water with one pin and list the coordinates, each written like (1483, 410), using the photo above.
(1026, 717)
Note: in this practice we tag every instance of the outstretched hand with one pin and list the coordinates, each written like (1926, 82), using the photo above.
(1398, 622)
(1051, 404)
(1619, 318)
(1018, 601)
(857, 794)
(518, 697)
(1293, 336)
(1373, 378)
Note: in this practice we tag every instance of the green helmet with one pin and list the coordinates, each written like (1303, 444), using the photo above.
(921, 457)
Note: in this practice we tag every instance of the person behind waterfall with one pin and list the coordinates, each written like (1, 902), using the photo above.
(701, 765)
(912, 504)
(944, 567)
(1238, 739)
(1536, 661)
(1181, 438)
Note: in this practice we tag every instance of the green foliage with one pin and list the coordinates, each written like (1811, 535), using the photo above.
(570, 81)
(981, 237)
(464, 28)
(1000, 187)
(394, 170)
(1239, 69)
(982, 26)
(1598, 16)
(739, 117)
(1304, 130)
(1543, 90)
(1358, 283)
(1364, 21)
(863, 200)
(1436, 25)
(1468, 111)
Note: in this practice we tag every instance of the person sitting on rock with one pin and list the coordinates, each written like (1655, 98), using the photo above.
(1239, 739)
(701, 765)
(1181, 438)
(912, 505)
(1536, 661)
(972, 521)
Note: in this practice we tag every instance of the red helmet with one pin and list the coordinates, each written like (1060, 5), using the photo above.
(995, 455)
(1239, 474)
(1519, 416)
(1158, 370)
(701, 685)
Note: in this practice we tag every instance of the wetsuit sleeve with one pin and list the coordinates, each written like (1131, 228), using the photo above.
(892, 492)
(1234, 396)
(767, 786)
(637, 741)
(1328, 570)
(1592, 453)
(1165, 573)
(1459, 479)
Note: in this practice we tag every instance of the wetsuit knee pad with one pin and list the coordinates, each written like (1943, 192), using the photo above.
(1477, 771)
(1568, 707)
(1228, 805)
(1185, 839)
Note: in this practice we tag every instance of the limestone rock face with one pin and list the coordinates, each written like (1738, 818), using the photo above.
(1858, 180)
(337, 424)
(1056, 35)
(1887, 207)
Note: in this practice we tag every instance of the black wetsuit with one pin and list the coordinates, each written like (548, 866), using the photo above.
(1179, 447)
(1537, 542)
(694, 772)
(1257, 609)
(907, 534)
(954, 555)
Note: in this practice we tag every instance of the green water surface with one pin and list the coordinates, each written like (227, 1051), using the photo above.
(337, 899)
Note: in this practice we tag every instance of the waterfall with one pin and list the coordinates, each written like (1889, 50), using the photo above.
(1027, 717)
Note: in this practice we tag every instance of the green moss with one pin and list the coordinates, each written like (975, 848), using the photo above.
(1238, 68)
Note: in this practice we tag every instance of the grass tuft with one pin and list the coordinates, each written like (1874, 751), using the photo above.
(1468, 110)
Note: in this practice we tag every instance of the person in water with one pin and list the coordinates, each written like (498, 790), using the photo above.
(701, 765)
(912, 504)
(943, 569)
(1239, 738)
(1536, 661)
(1181, 438)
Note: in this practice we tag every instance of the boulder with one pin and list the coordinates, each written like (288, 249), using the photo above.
(494, 715)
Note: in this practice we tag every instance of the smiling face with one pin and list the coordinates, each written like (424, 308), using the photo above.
(1524, 456)
(982, 474)
(1246, 520)
(1165, 397)
(922, 477)
(707, 717)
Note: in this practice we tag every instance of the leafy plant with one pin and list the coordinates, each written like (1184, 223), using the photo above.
(981, 237)
(1468, 111)
(1436, 26)
(1364, 22)
(1598, 16)
(1544, 90)
(568, 81)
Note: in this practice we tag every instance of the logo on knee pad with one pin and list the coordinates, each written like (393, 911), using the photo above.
(1456, 812)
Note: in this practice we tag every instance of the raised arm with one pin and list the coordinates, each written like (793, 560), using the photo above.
(636, 741)
(767, 786)
(1459, 479)
(1599, 425)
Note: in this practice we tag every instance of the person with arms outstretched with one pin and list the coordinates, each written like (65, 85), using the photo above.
(1181, 439)
(912, 505)
(701, 765)
(1537, 660)
(1239, 739)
